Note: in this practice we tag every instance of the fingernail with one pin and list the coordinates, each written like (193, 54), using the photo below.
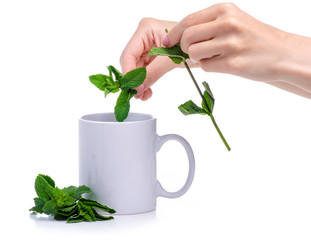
(166, 41)
(140, 88)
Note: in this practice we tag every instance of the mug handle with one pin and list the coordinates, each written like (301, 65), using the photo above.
(160, 191)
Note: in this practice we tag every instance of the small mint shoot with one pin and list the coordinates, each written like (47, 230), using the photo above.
(115, 82)
(176, 54)
(67, 203)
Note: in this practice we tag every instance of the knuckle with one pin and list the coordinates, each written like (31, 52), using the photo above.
(146, 21)
(231, 24)
(222, 65)
(232, 44)
(227, 8)
(233, 65)
(188, 21)
(206, 66)
(152, 76)
(229, 63)
(184, 47)
(187, 35)
(193, 53)
(186, 40)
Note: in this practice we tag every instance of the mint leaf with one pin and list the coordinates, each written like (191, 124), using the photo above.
(209, 98)
(62, 199)
(207, 89)
(100, 81)
(177, 60)
(76, 192)
(115, 72)
(133, 78)
(60, 216)
(67, 211)
(112, 89)
(191, 108)
(122, 107)
(104, 83)
(44, 186)
(174, 53)
(50, 207)
(39, 204)
(210, 104)
(71, 190)
(75, 219)
(81, 190)
(121, 111)
(48, 179)
(86, 212)
(102, 218)
(95, 204)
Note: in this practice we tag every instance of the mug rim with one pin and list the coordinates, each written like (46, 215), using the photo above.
(96, 118)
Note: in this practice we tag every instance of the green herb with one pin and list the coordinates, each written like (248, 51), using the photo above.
(178, 56)
(67, 203)
(115, 81)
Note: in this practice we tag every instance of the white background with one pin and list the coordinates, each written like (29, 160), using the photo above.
(259, 190)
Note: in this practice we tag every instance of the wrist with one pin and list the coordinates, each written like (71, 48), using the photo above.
(295, 65)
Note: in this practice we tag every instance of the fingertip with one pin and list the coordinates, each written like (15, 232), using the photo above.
(166, 41)
(128, 63)
(147, 94)
(140, 89)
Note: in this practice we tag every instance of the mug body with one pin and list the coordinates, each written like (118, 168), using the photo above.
(117, 160)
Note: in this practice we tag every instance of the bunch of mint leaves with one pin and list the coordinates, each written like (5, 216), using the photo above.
(176, 54)
(115, 81)
(67, 203)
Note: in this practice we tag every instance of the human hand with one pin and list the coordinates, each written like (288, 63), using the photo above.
(150, 33)
(223, 38)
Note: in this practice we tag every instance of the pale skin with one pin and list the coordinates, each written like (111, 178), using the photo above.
(222, 38)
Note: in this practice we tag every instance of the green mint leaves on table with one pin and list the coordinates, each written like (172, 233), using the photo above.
(176, 54)
(115, 81)
(67, 203)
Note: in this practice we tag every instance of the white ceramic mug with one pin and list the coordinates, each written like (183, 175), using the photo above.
(117, 160)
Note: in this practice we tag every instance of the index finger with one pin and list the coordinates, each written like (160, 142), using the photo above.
(128, 62)
(131, 53)
(206, 15)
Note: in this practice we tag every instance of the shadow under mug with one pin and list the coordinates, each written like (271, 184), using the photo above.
(117, 160)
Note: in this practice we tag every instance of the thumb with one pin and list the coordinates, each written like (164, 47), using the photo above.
(128, 63)
(173, 36)
(155, 70)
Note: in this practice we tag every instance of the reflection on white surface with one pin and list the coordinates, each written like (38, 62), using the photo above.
(120, 223)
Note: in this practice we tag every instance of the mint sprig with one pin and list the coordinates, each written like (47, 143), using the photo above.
(115, 81)
(67, 203)
(176, 54)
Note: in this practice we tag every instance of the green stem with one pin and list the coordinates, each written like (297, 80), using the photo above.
(196, 85)
(219, 132)
(206, 105)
